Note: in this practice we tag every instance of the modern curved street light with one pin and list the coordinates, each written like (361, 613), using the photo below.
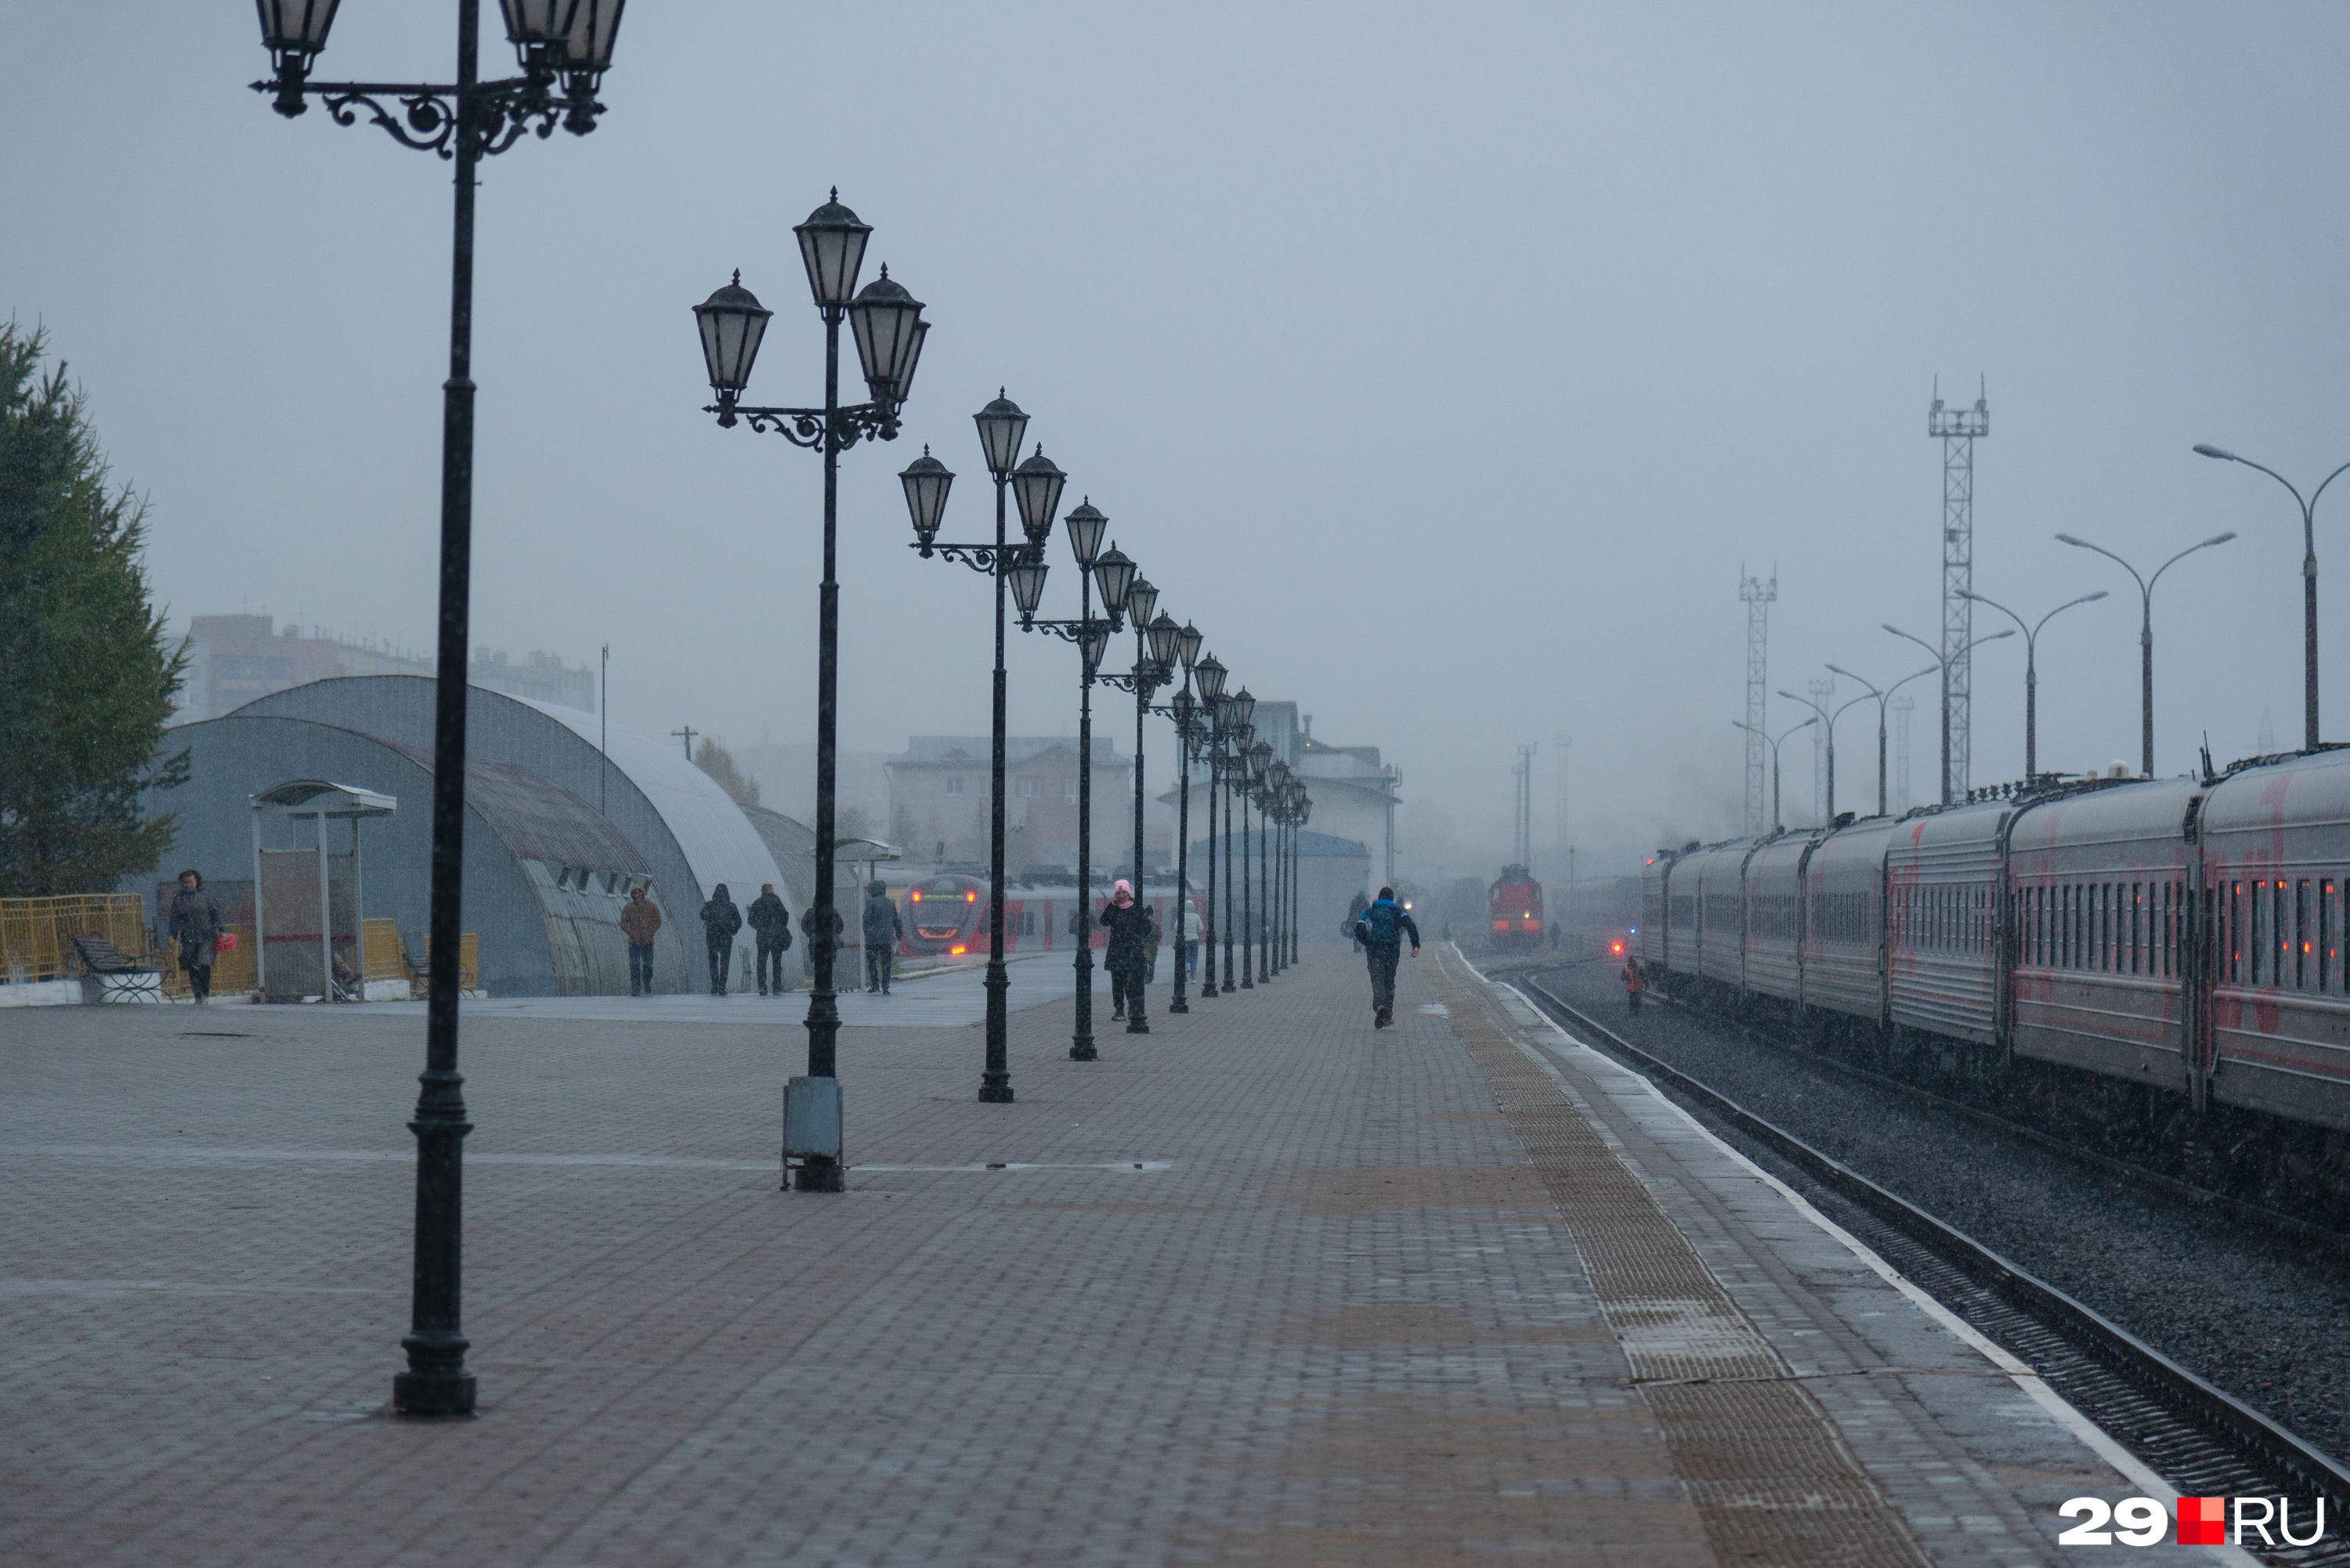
(1937, 654)
(2308, 579)
(1776, 825)
(2145, 639)
(2032, 670)
(1883, 696)
(567, 42)
(1829, 719)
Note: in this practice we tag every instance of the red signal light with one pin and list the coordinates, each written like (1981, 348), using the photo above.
(1616, 947)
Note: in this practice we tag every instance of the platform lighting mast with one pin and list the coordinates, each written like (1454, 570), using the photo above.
(1521, 825)
(1958, 430)
(1560, 746)
(1758, 595)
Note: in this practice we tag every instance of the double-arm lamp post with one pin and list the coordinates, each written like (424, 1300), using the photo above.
(1184, 709)
(2308, 580)
(1231, 766)
(2031, 630)
(1948, 782)
(1260, 760)
(1036, 483)
(1883, 696)
(1829, 719)
(1276, 809)
(564, 44)
(1301, 807)
(1113, 573)
(887, 324)
(2145, 637)
(1206, 735)
(1155, 641)
(1777, 826)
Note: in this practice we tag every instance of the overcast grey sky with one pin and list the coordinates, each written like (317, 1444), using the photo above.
(1441, 363)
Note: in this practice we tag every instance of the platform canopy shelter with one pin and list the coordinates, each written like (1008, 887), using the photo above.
(306, 899)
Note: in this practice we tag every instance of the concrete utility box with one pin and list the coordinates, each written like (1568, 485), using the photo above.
(812, 1119)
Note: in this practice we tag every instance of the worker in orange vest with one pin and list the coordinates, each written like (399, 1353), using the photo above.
(1633, 985)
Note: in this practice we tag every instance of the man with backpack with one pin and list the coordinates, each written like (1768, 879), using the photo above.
(720, 921)
(1382, 932)
(771, 927)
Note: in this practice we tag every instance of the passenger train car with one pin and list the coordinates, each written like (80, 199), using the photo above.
(1513, 910)
(944, 914)
(2182, 934)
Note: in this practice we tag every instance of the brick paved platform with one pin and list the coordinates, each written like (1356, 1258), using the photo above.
(1264, 1286)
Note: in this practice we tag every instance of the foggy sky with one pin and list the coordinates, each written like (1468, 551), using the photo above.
(1443, 364)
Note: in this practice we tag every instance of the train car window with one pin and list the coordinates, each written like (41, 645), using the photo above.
(2301, 934)
(2325, 934)
(2236, 933)
(2260, 938)
(2170, 926)
(2286, 935)
(2138, 929)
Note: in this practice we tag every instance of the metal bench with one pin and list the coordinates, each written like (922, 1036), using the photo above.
(109, 976)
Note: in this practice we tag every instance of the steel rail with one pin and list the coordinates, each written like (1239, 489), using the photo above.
(2217, 1413)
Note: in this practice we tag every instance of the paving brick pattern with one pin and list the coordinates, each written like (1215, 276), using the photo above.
(1337, 1318)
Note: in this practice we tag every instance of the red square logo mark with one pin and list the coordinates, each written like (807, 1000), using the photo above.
(2202, 1521)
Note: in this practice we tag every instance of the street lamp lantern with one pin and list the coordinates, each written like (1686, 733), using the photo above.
(1093, 643)
(832, 244)
(1026, 581)
(595, 26)
(732, 322)
(1210, 673)
(1036, 487)
(886, 319)
(530, 23)
(1001, 427)
(1243, 711)
(1085, 523)
(1141, 600)
(1187, 644)
(1260, 757)
(293, 32)
(1164, 635)
(1187, 709)
(927, 481)
(1113, 576)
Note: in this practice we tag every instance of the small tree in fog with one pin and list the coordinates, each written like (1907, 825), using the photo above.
(87, 675)
(712, 758)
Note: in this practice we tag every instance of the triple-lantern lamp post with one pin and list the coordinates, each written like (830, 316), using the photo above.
(886, 324)
(563, 48)
(1037, 484)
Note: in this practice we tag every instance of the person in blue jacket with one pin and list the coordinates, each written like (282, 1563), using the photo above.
(1381, 931)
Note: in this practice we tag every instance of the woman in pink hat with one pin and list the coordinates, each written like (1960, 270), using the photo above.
(1133, 930)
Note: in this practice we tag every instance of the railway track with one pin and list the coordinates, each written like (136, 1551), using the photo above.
(2202, 1440)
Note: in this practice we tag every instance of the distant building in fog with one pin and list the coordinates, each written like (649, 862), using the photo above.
(234, 658)
(938, 792)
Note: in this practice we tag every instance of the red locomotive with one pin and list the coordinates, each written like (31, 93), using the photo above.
(1513, 910)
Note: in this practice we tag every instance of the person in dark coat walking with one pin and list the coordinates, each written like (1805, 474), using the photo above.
(1382, 932)
(1355, 908)
(882, 930)
(807, 925)
(771, 927)
(1133, 932)
(720, 921)
(196, 925)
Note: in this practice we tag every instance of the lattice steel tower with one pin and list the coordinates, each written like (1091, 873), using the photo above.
(1958, 430)
(1758, 595)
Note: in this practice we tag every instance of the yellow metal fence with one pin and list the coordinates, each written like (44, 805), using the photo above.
(36, 934)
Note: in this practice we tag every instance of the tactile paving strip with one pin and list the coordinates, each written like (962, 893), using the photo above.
(1768, 1472)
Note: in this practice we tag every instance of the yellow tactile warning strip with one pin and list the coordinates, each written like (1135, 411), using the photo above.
(1770, 1475)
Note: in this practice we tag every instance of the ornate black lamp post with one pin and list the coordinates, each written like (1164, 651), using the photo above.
(888, 328)
(1277, 808)
(1114, 572)
(1155, 639)
(1259, 762)
(1238, 732)
(567, 42)
(1210, 674)
(1301, 807)
(1189, 731)
(1036, 483)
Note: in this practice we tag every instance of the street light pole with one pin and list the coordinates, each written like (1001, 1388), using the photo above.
(1260, 758)
(1037, 484)
(2145, 637)
(464, 122)
(2032, 672)
(1776, 825)
(1938, 664)
(1240, 733)
(1882, 697)
(1086, 525)
(1829, 719)
(2308, 581)
(1187, 733)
